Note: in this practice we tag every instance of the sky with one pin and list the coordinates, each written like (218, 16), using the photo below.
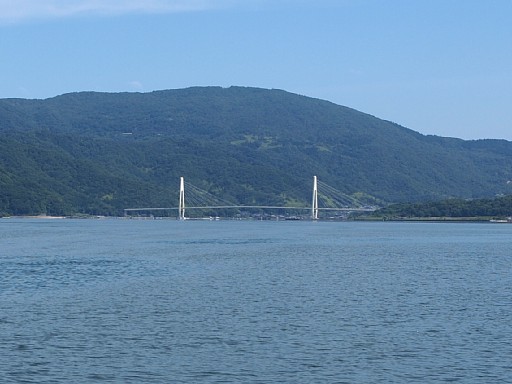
(438, 67)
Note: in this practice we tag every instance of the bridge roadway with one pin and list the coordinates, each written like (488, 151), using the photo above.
(251, 207)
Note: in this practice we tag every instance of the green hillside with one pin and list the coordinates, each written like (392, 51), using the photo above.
(97, 153)
(498, 207)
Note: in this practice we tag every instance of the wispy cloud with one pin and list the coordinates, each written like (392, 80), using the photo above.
(136, 85)
(21, 10)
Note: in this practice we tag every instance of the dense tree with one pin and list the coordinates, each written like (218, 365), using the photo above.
(500, 207)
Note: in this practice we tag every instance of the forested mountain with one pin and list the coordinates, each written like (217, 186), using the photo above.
(98, 153)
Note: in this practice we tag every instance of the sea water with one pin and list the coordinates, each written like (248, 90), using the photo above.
(164, 301)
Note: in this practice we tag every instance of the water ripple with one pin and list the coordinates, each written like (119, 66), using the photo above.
(226, 302)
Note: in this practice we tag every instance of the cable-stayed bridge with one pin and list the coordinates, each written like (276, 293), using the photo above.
(324, 198)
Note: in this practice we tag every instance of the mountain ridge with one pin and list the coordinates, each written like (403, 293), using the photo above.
(252, 144)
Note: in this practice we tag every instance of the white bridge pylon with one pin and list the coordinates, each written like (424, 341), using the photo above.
(314, 204)
(181, 208)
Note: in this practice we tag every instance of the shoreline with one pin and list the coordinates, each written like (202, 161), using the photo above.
(473, 219)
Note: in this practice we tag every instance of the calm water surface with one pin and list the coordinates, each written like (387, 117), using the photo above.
(130, 301)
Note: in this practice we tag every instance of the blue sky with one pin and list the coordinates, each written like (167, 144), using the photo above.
(441, 67)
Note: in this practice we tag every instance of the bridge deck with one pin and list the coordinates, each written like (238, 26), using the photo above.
(251, 207)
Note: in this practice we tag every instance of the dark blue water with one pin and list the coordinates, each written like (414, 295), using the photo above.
(129, 301)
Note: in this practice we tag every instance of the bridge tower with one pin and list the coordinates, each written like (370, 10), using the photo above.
(314, 204)
(181, 208)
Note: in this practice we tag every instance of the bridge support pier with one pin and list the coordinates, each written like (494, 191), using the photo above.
(181, 207)
(314, 204)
